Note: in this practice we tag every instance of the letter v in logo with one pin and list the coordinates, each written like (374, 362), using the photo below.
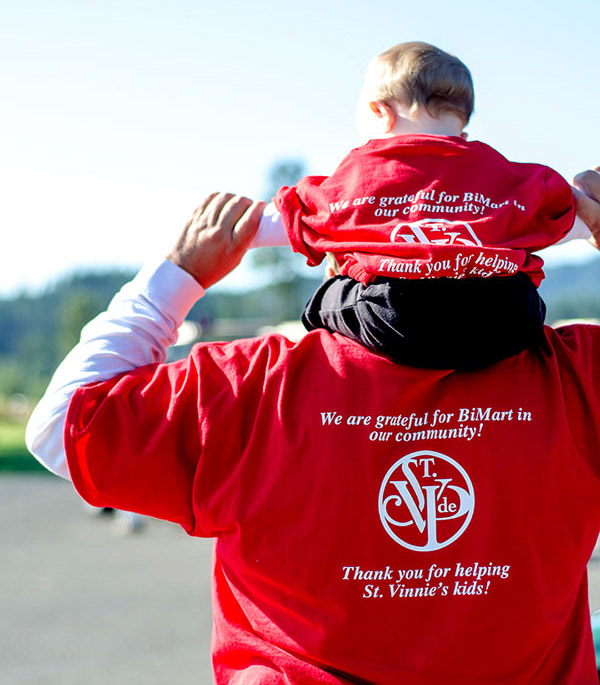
(433, 500)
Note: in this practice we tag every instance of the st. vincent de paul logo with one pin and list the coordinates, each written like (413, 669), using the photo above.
(426, 501)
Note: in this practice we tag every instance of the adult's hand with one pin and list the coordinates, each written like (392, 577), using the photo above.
(217, 236)
(587, 196)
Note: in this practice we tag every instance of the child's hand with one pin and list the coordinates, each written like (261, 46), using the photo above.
(217, 236)
(587, 196)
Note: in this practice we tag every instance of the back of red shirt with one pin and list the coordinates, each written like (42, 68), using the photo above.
(421, 206)
(374, 522)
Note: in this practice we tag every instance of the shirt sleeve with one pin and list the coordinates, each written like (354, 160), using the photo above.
(137, 328)
(302, 206)
(579, 231)
(271, 230)
(178, 441)
(557, 214)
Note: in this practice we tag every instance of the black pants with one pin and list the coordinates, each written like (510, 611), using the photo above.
(441, 323)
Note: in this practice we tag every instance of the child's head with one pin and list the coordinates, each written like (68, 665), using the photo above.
(413, 86)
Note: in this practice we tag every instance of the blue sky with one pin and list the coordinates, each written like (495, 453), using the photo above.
(117, 116)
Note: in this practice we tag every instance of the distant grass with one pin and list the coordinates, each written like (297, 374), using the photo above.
(14, 456)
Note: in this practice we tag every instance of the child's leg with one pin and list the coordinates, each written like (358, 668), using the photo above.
(438, 323)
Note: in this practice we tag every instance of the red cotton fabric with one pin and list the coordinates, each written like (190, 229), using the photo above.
(374, 522)
(421, 206)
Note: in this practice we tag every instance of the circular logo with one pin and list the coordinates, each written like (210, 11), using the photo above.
(426, 501)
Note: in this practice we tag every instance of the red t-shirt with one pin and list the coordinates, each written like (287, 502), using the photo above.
(374, 522)
(421, 206)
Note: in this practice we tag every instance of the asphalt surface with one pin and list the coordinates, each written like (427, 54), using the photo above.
(83, 603)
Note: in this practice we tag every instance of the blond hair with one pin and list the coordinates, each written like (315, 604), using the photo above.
(420, 75)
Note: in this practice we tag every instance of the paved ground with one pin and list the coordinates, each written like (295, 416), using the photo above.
(81, 604)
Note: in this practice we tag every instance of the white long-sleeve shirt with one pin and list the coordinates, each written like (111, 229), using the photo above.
(137, 328)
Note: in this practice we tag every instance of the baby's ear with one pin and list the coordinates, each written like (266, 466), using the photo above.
(464, 135)
(377, 108)
(384, 113)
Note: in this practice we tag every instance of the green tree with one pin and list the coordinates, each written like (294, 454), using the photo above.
(79, 307)
(282, 265)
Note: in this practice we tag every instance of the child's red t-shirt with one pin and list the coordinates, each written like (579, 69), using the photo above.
(422, 206)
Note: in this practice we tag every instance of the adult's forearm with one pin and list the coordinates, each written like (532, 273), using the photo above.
(137, 328)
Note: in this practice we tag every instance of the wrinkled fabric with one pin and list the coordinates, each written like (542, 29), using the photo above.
(421, 206)
(375, 522)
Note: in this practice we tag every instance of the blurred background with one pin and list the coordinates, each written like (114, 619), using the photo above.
(115, 119)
